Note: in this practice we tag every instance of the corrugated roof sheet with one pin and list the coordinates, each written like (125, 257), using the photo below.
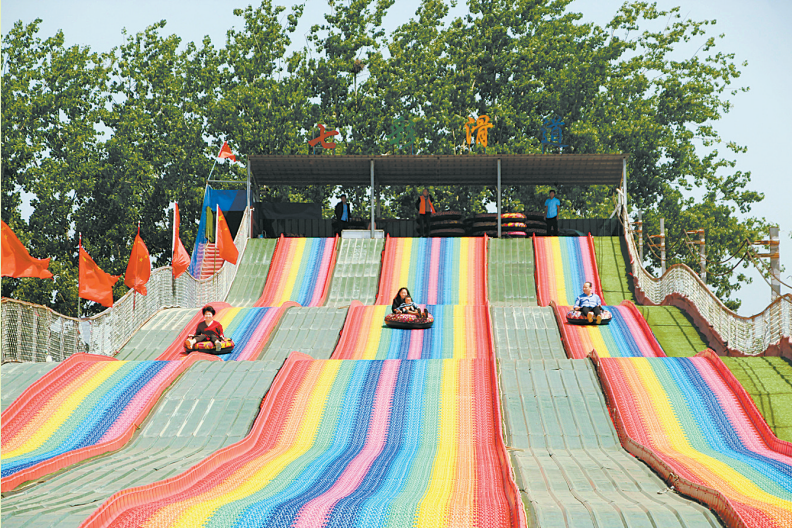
(516, 169)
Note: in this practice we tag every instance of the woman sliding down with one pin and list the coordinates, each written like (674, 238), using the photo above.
(404, 304)
(208, 330)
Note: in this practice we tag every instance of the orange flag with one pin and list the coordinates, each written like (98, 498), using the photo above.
(95, 284)
(225, 243)
(17, 261)
(180, 259)
(225, 152)
(138, 270)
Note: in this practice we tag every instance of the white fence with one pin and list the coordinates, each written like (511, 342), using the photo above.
(749, 335)
(32, 332)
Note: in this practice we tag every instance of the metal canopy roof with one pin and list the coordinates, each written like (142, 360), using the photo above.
(516, 169)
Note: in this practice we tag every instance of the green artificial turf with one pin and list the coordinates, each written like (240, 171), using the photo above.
(612, 263)
(769, 382)
(675, 331)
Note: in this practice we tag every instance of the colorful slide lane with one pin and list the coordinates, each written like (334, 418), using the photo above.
(86, 406)
(563, 264)
(692, 421)
(250, 328)
(301, 270)
(349, 443)
(435, 270)
(459, 332)
(627, 335)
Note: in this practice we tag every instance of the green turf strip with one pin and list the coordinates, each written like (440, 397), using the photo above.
(769, 382)
(674, 330)
(613, 266)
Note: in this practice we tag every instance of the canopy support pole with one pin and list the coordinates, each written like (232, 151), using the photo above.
(624, 188)
(499, 198)
(372, 199)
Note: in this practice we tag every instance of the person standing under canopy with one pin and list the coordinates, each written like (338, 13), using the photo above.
(552, 205)
(343, 213)
(425, 207)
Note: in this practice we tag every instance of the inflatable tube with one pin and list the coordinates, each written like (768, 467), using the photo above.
(446, 215)
(447, 232)
(485, 224)
(513, 216)
(515, 234)
(442, 224)
(576, 318)
(408, 321)
(209, 348)
(485, 216)
(514, 226)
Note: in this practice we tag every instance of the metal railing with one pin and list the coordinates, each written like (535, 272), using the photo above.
(748, 335)
(36, 333)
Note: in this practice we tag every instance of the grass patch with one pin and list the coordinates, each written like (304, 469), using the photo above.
(675, 331)
(612, 259)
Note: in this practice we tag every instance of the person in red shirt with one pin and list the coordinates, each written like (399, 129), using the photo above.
(208, 330)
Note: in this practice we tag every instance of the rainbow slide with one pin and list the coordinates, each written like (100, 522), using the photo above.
(692, 421)
(301, 270)
(250, 328)
(435, 270)
(627, 335)
(459, 332)
(349, 443)
(563, 264)
(86, 406)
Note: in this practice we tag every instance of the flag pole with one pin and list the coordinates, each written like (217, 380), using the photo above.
(211, 171)
(79, 246)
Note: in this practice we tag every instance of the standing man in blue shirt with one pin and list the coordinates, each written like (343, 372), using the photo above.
(343, 212)
(589, 304)
(552, 205)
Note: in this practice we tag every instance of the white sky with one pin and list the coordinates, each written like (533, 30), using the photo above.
(757, 31)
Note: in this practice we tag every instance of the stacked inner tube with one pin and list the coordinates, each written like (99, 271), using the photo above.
(513, 225)
(535, 223)
(446, 224)
(483, 224)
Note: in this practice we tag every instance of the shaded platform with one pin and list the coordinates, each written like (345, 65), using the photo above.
(569, 464)
(211, 406)
(526, 333)
(510, 270)
(356, 272)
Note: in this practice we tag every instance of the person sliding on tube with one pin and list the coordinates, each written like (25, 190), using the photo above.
(589, 304)
(208, 330)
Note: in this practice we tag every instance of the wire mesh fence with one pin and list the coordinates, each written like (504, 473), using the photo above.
(36, 333)
(750, 335)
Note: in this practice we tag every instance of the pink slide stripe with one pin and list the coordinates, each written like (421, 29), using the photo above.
(434, 271)
(315, 512)
(254, 344)
(327, 254)
(135, 407)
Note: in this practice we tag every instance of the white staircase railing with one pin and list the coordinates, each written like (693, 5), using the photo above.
(739, 335)
(37, 333)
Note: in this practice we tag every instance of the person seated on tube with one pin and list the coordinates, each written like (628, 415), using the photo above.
(401, 298)
(589, 304)
(409, 307)
(207, 330)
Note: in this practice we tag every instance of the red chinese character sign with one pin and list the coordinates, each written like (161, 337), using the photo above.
(480, 127)
(323, 135)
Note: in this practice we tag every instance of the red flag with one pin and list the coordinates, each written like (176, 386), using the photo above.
(17, 261)
(95, 284)
(138, 270)
(225, 152)
(180, 259)
(226, 249)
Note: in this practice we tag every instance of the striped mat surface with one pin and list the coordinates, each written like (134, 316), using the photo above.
(459, 332)
(76, 410)
(300, 271)
(435, 270)
(349, 443)
(685, 411)
(627, 335)
(250, 329)
(563, 264)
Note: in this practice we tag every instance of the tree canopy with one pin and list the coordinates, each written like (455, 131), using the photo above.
(102, 139)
